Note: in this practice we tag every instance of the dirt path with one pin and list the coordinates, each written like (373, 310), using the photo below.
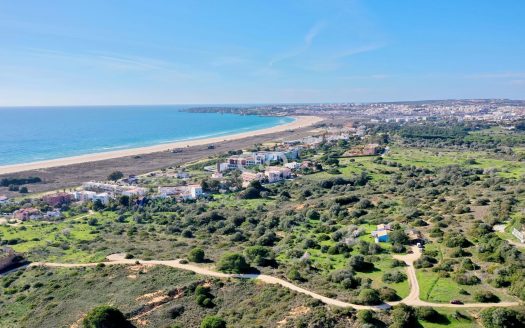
(411, 299)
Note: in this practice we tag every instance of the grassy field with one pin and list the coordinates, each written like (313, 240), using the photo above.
(453, 319)
(435, 158)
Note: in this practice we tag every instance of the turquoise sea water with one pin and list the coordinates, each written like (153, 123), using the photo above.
(42, 133)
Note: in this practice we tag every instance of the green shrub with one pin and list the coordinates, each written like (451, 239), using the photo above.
(196, 255)
(213, 322)
(105, 317)
(233, 263)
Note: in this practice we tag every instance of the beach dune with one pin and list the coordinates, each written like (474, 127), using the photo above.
(299, 122)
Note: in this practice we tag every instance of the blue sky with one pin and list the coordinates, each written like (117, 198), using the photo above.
(86, 52)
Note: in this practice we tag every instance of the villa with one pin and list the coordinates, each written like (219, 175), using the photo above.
(58, 199)
(248, 177)
(84, 196)
(293, 165)
(181, 192)
(134, 192)
(25, 214)
(381, 233)
(276, 173)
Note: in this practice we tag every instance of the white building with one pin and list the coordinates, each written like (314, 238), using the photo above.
(85, 196)
(293, 165)
(134, 192)
(181, 192)
(276, 173)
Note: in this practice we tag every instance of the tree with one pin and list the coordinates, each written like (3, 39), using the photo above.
(428, 313)
(98, 205)
(259, 255)
(196, 255)
(114, 176)
(213, 322)
(105, 317)
(233, 263)
(23, 190)
(369, 296)
(124, 200)
(403, 316)
(486, 296)
(398, 237)
(501, 318)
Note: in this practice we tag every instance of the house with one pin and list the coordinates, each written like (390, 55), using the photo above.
(243, 160)
(58, 199)
(52, 215)
(520, 234)
(102, 197)
(182, 192)
(134, 192)
(381, 236)
(25, 214)
(276, 173)
(102, 187)
(217, 175)
(381, 233)
(83, 196)
(293, 165)
(248, 177)
(3, 199)
(381, 227)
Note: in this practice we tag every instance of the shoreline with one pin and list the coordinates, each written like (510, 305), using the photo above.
(299, 122)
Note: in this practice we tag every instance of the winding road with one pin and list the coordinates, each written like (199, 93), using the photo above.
(412, 298)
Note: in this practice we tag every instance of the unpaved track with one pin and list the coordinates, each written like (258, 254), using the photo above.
(411, 299)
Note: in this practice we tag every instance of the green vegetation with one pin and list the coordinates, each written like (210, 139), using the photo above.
(444, 187)
(105, 317)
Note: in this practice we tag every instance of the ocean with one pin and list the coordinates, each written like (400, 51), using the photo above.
(30, 134)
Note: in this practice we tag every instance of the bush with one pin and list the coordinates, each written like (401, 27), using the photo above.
(233, 263)
(365, 316)
(203, 297)
(369, 296)
(501, 318)
(403, 316)
(114, 176)
(427, 313)
(486, 297)
(467, 279)
(388, 294)
(259, 255)
(294, 274)
(213, 322)
(358, 263)
(176, 311)
(397, 263)
(425, 261)
(105, 317)
(394, 277)
(196, 255)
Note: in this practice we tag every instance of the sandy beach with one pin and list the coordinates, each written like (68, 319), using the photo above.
(299, 122)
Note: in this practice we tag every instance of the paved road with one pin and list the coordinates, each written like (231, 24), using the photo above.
(411, 299)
